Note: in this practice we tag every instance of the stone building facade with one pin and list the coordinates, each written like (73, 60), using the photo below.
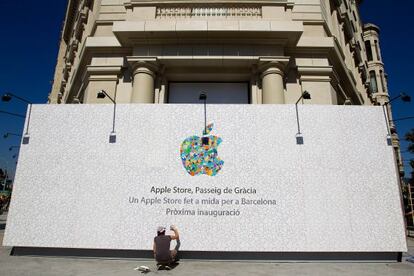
(135, 50)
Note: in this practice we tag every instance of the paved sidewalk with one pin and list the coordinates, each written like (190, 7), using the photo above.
(10, 265)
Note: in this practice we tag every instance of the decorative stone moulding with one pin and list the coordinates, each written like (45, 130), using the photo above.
(74, 44)
(68, 66)
(63, 85)
(87, 3)
(65, 73)
(209, 11)
(70, 52)
(109, 72)
(84, 14)
(315, 70)
(81, 20)
(337, 2)
(138, 63)
(264, 63)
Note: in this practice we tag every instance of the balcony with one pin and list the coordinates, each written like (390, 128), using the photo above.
(130, 33)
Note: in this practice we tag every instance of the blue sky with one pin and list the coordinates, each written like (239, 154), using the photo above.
(30, 31)
(29, 34)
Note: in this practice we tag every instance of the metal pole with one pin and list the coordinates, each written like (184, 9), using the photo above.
(20, 98)
(28, 119)
(386, 120)
(113, 120)
(402, 119)
(205, 115)
(297, 112)
(393, 99)
(297, 118)
(7, 134)
(114, 114)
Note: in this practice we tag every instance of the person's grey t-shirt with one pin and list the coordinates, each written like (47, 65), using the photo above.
(162, 244)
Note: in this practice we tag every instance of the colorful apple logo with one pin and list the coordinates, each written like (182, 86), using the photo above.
(201, 158)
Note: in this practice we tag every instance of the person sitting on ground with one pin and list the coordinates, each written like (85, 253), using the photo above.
(162, 253)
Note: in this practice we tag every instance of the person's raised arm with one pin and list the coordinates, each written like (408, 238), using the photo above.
(176, 235)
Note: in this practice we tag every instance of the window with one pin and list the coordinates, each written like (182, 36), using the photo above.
(383, 81)
(377, 50)
(217, 92)
(373, 82)
(368, 49)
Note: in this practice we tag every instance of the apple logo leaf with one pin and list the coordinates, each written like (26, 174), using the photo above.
(208, 129)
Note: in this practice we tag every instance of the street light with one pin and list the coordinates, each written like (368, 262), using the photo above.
(7, 98)
(203, 97)
(299, 137)
(101, 95)
(7, 134)
(405, 98)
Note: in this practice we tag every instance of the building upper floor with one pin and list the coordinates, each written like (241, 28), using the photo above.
(279, 48)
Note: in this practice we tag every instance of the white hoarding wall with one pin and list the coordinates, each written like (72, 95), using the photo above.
(260, 191)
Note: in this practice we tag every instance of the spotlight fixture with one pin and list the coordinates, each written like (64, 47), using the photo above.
(101, 95)
(6, 97)
(405, 97)
(203, 97)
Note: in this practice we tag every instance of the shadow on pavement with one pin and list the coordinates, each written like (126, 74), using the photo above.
(169, 267)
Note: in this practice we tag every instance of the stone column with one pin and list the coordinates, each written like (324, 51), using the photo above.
(272, 86)
(143, 86)
(272, 78)
(144, 72)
